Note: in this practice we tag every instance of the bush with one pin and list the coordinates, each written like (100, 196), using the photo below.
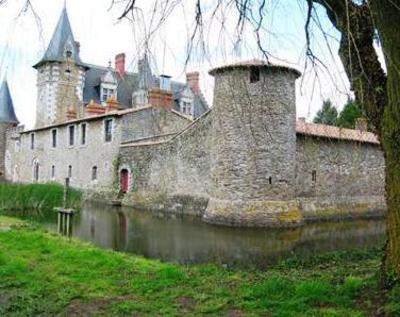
(36, 197)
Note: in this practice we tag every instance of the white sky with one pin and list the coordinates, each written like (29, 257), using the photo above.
(102, 37)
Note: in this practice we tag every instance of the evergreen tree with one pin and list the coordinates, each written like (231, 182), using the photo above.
(327, 115)
(350, 113)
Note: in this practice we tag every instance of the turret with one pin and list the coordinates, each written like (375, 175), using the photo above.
(8, 119)
(253, 146)
(61, 76)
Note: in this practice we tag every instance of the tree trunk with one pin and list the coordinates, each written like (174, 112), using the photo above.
(387, 17)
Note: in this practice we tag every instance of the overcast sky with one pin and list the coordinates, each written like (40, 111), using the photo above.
(95, 26)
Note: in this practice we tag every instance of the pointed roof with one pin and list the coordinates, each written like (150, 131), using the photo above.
(62, 40)
(7, 113)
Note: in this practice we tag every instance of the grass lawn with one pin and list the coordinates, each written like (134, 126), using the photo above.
(44, 274)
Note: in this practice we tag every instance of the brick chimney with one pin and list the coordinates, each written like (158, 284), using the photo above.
(161, 98)
(94, 109)
(120, 64)
(193, 80)
(112, 104)
(361, 124)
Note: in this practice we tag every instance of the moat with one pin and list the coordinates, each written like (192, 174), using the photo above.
(189, 240)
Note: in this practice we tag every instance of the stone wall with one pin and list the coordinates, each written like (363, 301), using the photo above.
(333, 179)
(338, 178)
(254, 147)
(151, 122)
(172, 176)
(3, 132)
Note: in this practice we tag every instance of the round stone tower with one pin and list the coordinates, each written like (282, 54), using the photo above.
(8, 120)
(253, 146)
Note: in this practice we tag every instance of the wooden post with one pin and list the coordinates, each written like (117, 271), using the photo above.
(59, 222)
(67, 224)
(66, 189)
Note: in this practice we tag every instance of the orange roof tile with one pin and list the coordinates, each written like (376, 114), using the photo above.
(326, 131)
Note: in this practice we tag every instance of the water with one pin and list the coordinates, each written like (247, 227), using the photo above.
(188, 240)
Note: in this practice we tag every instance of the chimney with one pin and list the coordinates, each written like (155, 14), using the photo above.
(94, 109)
(112, 104)
(165, 82)
(120, 64)
(193, 80)
(161, 98)
(78, 47)
(361, 124)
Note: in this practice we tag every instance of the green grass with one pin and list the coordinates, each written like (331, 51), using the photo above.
(35, 197)
(44, 274)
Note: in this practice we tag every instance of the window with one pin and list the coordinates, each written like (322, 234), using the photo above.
(53, 172)
(83, 133)
(108, 130)
(71, 130)
(54, 138)
(270, 180)
(106, 93)
(94, 173)
(69, 171)
(187, 108)
(32, 141)
(314, 175)
(36, 171)
(68, 74)
(254, 74)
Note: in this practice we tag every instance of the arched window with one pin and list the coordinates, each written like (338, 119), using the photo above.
(69, 171)
(53, 171)
(94, 173)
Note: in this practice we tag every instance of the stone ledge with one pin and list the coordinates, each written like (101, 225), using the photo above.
(263, 213)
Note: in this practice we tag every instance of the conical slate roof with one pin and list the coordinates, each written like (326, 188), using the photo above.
(62, 38)
(7, 113)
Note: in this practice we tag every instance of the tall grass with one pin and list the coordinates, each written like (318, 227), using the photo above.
(36, 197)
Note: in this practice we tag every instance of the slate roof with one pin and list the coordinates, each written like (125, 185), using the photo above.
(130, 83)
(200, 104)
(62, 36)
(7, 113)
(326, 131)
(125, 85)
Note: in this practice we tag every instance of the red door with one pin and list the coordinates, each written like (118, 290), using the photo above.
(124, 180)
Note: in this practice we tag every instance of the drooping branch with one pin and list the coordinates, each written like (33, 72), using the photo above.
(358, 55)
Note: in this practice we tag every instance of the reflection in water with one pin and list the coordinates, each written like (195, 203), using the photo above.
(187, 240)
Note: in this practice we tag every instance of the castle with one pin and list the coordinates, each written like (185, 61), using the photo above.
(155, 144)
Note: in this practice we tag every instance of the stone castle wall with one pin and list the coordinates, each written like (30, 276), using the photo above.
(149, 123)
(254, 147)
(172, 176)
(4, 127)
(176, 177)
(337, 178)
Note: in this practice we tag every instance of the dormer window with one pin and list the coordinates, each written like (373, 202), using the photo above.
(68, 50)
(187, 108)
(107, 93)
